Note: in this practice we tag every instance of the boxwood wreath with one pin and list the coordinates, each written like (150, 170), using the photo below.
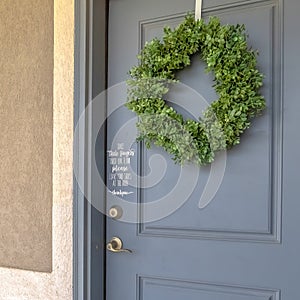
(237, 81)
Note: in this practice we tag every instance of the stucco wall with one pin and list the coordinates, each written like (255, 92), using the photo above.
(26, 122)
(19, 284)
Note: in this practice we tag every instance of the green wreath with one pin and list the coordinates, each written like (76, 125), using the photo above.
(237, 81)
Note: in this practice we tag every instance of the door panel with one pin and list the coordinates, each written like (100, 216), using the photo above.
(251, 160)
(244, 244)
(153, 288)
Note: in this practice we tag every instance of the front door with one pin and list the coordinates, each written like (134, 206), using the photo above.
(242, 241)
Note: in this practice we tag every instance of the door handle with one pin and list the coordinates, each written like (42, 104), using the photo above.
(116, 245)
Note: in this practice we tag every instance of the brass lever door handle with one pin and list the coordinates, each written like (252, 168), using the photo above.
(116, 245)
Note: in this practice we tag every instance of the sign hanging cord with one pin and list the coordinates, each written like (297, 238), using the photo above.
(198, 9)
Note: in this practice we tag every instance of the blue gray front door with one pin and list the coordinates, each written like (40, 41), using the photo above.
(243, 245)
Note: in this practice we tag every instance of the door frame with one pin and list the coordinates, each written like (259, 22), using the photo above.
(90, 67)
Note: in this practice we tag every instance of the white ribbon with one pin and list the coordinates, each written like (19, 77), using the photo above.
(198, 9)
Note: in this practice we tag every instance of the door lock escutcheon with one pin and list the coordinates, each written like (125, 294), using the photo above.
(115, 212)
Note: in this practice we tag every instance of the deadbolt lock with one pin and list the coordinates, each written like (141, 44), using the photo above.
(115, 212)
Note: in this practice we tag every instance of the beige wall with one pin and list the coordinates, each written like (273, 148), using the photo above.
(20, 284)
(26, 122)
